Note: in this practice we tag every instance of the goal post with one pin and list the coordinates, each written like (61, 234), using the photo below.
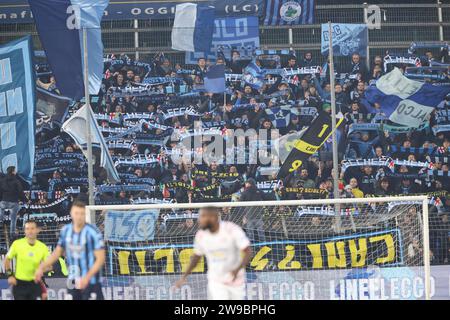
(379, 251)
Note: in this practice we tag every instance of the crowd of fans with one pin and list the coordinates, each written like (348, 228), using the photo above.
(374, 161)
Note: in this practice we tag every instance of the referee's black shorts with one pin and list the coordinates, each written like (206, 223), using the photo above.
(92, 292)
(26, 290)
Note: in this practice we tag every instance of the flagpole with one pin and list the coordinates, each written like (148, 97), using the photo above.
(333, 126)
(88, 121)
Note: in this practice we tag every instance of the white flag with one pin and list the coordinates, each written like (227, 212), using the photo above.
(76, 127)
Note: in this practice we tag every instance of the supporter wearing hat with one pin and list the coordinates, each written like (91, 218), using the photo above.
(347, 192)
(326, 107)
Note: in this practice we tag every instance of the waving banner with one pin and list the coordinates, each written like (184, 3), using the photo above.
(322, 253)
(59, 24)
(309, 143)
(231, 31)
(17, 107)
(289, 12)
(18, 11)
(347, 39)
(193, 27)
(405, 101)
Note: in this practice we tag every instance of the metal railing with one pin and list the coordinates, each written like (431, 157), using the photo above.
(401, 24)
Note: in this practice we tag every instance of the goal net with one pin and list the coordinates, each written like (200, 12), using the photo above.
(371, 248)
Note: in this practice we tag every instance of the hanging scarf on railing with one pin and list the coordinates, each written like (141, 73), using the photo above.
(132, 92)
(305, 191)
(66, 182)
(120, 144)
(442, 116)
(45, 166)
(418, 150)
(127, 188)
(439, 173)
(59, 156)
(440, 128)
(268, 186)
(120, 133)
(183, 134)
(180, 112)
(139, 160)
(113, 117)
(137, 180)
(436, 159)
(382, 162)
(162, 80)
(365, 117)
(178, 215)
(151, 201)
(248, 106)
(138, 116)
(400, 175)
(116, 64)
(186, 186)
(45, 206)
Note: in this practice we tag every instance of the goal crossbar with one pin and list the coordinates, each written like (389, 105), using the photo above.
(256, 203)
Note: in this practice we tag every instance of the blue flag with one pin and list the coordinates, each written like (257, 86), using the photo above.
(404, 101)
(289, 12)
(280, 116)
(17, 107)
(193, 27)
(60, 26)
(215, 79)
(253, 76)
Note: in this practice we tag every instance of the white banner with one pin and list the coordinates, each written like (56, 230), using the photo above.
(398, 283)
(129, 226)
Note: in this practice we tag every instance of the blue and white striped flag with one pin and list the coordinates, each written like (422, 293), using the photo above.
(289, 12)
(193, 27)
(404, 101)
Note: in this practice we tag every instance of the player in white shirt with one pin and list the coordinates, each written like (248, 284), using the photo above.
(227, 251)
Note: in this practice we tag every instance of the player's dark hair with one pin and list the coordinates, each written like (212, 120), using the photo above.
(79, 202)
(31, 221)
(10, 170)
(211, 209)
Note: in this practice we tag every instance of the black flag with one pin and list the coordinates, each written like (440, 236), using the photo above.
(311, 141)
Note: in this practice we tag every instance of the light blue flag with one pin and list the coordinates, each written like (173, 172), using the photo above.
(17, 107)
(76, 127)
